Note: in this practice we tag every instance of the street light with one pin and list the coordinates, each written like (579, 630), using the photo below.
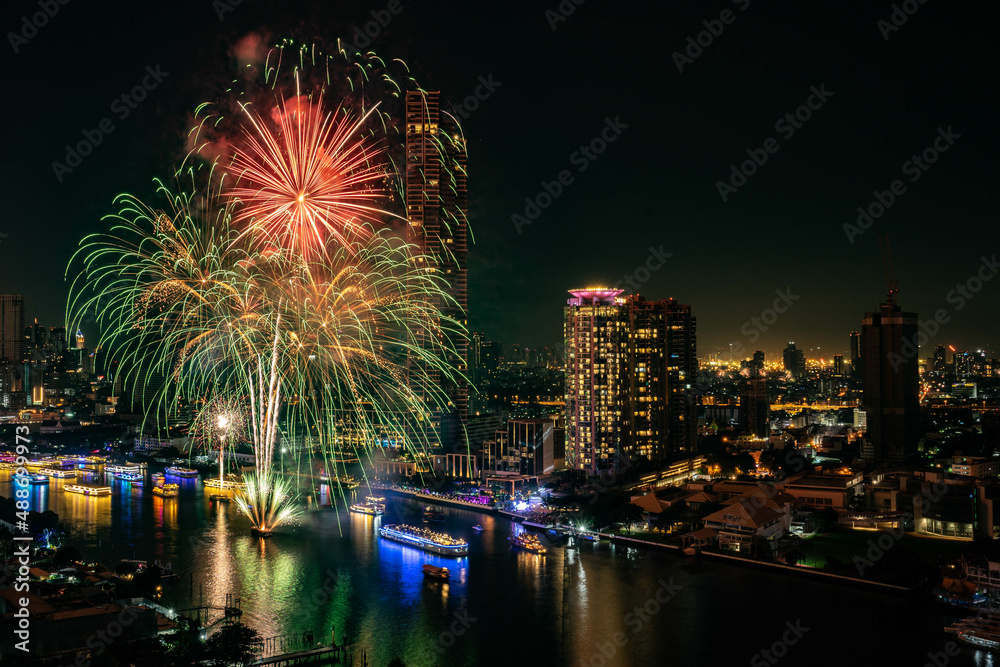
(223, 422)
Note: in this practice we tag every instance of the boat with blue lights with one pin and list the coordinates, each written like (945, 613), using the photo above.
(32, 480)
(423, 538)
(132, 477)
(176, 471)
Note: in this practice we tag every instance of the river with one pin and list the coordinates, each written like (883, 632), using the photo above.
(599, 604)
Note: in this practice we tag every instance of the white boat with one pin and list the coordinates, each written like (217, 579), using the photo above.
(88, 490)
(177, 471)
(423, 538)
(58, 473)
(127, 467)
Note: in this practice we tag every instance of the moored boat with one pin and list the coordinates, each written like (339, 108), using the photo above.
(982, 633)
(132, 477)
(426, 539)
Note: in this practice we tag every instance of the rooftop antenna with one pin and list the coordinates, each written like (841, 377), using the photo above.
(890, 272)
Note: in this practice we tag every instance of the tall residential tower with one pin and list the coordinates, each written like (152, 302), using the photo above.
(436, 206)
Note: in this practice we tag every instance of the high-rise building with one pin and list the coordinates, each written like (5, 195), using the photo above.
(756, 365)
(682, 374)
(795, 362)
(644, 396)
(630, 367)
(12, 327)
(940, 363)
(755, 409)
(596, 335)
(79, 340)
(534, 443)
(856, 357)
(838, 365)
(891, 384)
(436, 205)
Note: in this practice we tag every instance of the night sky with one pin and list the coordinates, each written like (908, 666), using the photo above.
(654, 187)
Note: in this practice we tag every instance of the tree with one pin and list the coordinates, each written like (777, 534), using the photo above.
(628, 514)
(66, 555)
(824, 519)
(794, 557)
(235, 644)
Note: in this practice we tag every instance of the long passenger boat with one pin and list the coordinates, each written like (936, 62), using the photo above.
(177, 471)
(88, 490)
(422, 538)
(126, 467)
(58, 473)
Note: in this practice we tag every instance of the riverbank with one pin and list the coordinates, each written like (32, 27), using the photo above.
(718, 556)
(490, 509)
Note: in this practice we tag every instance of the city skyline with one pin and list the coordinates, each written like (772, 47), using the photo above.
(650, 196)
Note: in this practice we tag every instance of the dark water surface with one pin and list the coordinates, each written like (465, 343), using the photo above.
(600, 604)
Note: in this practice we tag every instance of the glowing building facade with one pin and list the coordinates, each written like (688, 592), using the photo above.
(436, 206)
(596, 336)
(630, 367)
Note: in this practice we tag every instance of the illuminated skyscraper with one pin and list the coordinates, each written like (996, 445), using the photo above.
(12, 327)
(595, 329)
(659, 415)
(79, 340)
(891, 384)
(630, 365)
(436, 210)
